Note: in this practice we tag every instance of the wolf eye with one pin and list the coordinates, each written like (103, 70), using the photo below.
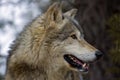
(73, 36)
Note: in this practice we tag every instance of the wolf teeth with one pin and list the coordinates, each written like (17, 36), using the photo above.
(84, 65)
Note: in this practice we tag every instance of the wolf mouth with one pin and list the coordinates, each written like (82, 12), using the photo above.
(76, 63)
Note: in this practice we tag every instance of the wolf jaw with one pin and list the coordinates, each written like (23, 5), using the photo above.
(76, 63)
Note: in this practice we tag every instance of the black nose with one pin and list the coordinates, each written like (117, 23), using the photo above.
(98, 54)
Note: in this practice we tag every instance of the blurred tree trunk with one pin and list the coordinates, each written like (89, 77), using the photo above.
(92, 15)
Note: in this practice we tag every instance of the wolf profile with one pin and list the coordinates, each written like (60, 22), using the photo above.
(51, 48)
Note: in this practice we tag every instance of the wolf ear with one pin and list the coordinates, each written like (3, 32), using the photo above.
(67, 16)
(54, 13)
(71, 13)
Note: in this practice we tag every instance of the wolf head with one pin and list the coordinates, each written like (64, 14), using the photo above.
(64, 40)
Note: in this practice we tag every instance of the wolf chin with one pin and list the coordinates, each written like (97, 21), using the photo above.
(52, 47)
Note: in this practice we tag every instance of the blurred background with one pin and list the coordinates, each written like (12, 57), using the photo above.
(100, 20)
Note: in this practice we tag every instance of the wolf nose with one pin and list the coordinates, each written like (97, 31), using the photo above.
(98, 54)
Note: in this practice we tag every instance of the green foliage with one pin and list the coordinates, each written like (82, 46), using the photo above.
(114, 31)
(114, 23)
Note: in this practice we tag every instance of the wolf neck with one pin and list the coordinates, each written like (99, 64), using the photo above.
(62, 74)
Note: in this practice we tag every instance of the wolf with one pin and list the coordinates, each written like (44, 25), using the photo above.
(52, 47)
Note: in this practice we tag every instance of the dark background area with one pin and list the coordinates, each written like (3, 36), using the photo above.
(100, 20)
